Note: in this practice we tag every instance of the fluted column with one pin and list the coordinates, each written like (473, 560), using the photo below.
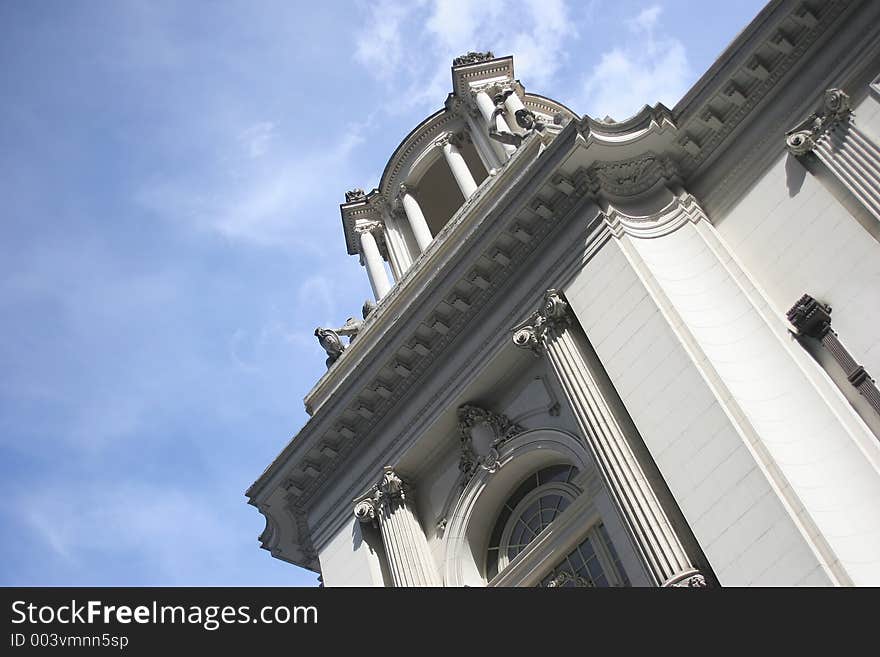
(390, 506)
(450, 144)
(416, 218)
(372, 259)
(493, 119)
(551, 331)
(832, 138)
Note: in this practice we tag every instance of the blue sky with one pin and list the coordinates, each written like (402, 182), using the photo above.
(170, 175)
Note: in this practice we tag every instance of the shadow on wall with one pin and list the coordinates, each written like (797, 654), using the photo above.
(795, 174)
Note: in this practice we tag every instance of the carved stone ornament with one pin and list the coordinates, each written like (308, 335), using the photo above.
(564, 578)
(836, 107)
(471, 415)
(800, 142)
(689, 579)
(696, 581)
(356, 194)
(368, 307)
(383, 498)
(365, 510)
(527, 120)
(810, 317)
(330, 339)
(553, 314)
(505, 137)
(456, 139)
(473, 57)
(331, 343)
(369, 227)
(837, 103)
(631, 177)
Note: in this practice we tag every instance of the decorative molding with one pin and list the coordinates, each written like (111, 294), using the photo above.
(802, 139)
(470, 416)
(369, 227)
(683, 208)
(691, 578)
(552, 315)
(564, 577)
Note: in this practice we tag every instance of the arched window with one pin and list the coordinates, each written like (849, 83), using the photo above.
(530, 510)
(533, 506)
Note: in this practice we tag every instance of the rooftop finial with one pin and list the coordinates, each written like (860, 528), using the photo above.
(473, 57)
(356, 194)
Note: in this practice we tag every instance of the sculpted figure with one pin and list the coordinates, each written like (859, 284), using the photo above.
(330, 339)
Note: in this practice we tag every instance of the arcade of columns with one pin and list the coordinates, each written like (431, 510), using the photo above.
(496, 115)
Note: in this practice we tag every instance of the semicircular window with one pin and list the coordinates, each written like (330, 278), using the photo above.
(535, 503)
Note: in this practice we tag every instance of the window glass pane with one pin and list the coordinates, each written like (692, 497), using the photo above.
(583, 565)
(535, 518)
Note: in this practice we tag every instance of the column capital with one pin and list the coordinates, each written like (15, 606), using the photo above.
(836, 107)
(392, 487)
(365, 510)
(456, 139)
(690, 579)
(552, 316)
(369, 227)
(384, 497)
(810, 317)
(406, 188)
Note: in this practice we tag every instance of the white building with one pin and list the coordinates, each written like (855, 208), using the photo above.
(596, 363)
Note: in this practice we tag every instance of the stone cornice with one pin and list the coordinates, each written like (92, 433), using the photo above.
(749, 75)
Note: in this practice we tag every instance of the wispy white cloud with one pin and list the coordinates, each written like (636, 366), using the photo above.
(179, 536)
(651, 67)
(257, 138)
(259, 195)
(415, 45)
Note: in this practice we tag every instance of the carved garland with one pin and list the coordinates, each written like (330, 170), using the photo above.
(469, 416)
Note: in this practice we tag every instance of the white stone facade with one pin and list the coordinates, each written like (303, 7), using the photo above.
(610, 354)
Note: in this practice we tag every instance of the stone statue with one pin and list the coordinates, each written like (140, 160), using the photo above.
(368, 307)
(331, 341)
(527, 120)
(504, 136)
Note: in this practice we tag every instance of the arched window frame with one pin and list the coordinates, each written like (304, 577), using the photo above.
(467, 532)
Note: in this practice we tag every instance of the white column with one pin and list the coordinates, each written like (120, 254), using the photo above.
(551, 333)
(398, 251)
(849, 155)
(513, 103)
(372, 260)
(458, 166)
(487, 109)
(415, 217)
(491, 159)
(406, 548)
